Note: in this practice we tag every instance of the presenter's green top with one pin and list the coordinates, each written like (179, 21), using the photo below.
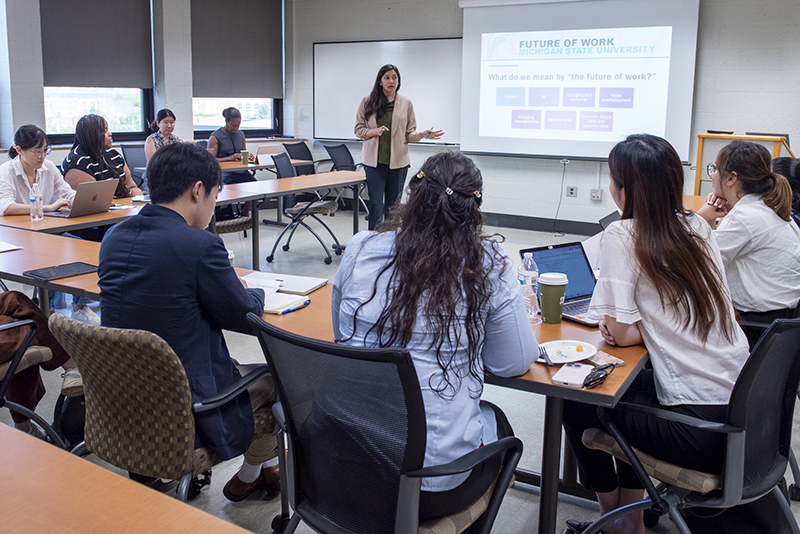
(385, 140)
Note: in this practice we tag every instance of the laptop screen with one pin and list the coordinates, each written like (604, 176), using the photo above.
(569, 259)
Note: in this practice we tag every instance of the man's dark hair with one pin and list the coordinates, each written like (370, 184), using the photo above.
(175, 168)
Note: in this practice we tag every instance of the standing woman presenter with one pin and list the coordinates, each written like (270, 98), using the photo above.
(385, 121)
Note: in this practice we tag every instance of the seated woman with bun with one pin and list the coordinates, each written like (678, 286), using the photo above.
(92, 158)
(162, 135)
(759, 242)
(430, 280)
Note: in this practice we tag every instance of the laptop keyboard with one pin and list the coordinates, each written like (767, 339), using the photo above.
(579, 307)
(60, 213)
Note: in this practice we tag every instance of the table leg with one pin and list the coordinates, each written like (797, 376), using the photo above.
(44, 301)
(254, 216)
(356, 206)
(551, 456)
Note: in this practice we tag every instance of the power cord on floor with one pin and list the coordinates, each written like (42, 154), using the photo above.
(564, 163)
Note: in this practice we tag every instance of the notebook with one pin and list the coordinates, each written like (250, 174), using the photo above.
(295, 285)
(90, 198)
(570, 259)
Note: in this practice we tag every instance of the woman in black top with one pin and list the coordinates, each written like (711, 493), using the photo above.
(92, 158)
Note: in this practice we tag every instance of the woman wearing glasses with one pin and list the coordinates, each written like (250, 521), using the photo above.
(759, 242)
(662, 283)
(28, 166)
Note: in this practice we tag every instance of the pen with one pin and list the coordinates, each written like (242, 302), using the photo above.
(303, 305)
(429, 132)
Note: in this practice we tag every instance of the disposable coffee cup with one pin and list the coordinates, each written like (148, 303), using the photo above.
(245, 157)
(231, 255)
(552, 286)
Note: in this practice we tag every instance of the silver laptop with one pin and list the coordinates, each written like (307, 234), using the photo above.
(90, 198)
(570, 259)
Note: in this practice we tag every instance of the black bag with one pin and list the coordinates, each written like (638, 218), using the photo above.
(69, 418)
(763, 516)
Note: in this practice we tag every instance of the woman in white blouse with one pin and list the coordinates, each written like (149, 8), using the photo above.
(661, 284)
(28, 166)
(759, 242)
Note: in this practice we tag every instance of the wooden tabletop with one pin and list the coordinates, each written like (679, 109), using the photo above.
(307, 182)
(238, 165)
(43, 250)
(314, 321)
(57, 225)
(46, 489)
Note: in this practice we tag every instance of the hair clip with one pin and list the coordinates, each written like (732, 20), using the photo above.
(420, 175)
(477, 193)
(448, 190)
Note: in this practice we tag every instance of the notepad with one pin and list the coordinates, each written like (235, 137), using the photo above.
(296, 285)
(280, 303)
(5, 247)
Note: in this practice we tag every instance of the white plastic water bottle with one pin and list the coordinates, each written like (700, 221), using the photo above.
(37, 212)
(528, 276)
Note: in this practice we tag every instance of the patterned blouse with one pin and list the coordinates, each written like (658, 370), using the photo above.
(159, 141)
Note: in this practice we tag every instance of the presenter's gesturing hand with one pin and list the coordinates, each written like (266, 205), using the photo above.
(375, 132)
(429, 134)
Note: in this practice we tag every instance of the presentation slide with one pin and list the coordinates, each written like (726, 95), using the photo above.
(590, 85)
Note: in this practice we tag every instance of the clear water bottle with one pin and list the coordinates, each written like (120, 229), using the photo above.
(528, 276)
(37, 212)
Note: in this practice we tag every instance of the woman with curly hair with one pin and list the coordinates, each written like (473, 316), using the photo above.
(431, 281)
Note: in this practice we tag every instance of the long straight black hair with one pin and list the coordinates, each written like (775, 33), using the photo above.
(376, 105)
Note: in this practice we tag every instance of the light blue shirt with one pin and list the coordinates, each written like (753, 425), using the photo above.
(456, 424)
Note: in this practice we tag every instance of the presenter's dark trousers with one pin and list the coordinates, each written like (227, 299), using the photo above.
(385, 186)
(669, 441)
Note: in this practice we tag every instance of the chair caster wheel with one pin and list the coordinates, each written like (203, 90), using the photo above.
(650, 519)
(327, 261)
(285, 248)
(270, 258)
(338, 252)
(794, 492)
(197, 484)
(279, 523)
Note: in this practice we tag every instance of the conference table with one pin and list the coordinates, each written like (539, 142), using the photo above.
(46, 489)
(314, 321)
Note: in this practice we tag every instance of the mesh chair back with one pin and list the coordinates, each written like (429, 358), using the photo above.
(341, 157)
(762, 402)
(134, 156)
(138, 404)
(202, 144)
(285, 169)
(300, 151)
(356, 422)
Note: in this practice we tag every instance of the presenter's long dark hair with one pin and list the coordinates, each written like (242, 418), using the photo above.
(676, 260)
(376, 105)
(439, 278)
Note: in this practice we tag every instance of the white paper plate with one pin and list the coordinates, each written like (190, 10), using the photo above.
(566, 351)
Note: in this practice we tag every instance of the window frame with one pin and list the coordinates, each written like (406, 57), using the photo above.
(148, 116)
(201, 135)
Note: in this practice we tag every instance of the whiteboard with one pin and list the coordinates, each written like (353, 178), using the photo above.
(430, 75)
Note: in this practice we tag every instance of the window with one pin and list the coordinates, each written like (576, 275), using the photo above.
(260, 116)
(125, 110)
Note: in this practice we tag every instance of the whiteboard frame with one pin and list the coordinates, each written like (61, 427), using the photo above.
(452, 133)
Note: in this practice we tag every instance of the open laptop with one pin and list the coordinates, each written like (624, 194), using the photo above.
(570, 259)
(90, 198)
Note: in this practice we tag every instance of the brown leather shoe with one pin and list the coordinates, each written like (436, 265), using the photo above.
(271, 477)
(236, 490)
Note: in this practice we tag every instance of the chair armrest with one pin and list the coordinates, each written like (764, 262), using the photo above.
(469, 460)
(678, 418)
(755, 324)
(280, 417)
(230, 392)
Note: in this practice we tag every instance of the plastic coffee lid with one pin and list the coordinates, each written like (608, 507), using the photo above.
(553, 279)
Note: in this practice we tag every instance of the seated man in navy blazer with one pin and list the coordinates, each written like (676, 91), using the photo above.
(161, 271)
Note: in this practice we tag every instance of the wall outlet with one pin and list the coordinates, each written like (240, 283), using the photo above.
(572, 191)
(596, 194)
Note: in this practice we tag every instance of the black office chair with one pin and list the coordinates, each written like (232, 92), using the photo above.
(757, 432)
(300, 150)
(134, 156)
(343, 161)
(26, 357)
(202, 143)
(299, 211)
(355, 421)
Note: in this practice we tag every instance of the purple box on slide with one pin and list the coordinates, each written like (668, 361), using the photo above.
(543, 97)
(579, 97)
(611, 97)
(560, 120)
(526, 118)
(597, 121)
